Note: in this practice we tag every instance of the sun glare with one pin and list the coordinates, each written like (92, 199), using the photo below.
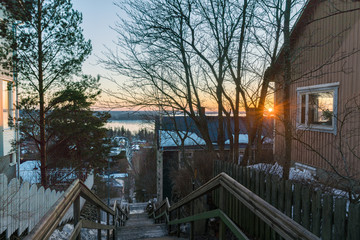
(270, 109)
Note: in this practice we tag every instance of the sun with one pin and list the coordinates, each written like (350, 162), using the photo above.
(270, 109)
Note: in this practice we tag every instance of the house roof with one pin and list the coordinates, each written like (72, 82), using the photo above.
(186, 124)
(299, 25)
(174, 138)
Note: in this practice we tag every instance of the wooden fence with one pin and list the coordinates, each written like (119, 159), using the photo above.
(23, 205)
(326, 216)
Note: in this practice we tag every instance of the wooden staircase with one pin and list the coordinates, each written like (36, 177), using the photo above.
(140, 226)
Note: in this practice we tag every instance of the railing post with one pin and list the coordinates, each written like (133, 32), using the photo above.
(108, 223)
(99, 221)
(114, 222)
(178, 225)
(221, 207)
(76, 214)
(168, 225)
(192, 225)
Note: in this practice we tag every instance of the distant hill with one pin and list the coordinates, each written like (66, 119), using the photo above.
(133, 115)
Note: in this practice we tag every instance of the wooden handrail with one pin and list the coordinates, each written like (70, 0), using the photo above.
(282, 224)
(50, 221)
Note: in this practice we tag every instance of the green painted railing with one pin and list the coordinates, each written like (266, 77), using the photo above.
(229, 194)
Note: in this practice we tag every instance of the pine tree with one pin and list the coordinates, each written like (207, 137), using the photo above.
(50, 49)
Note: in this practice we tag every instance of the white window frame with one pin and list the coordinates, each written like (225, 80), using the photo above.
(316, 89)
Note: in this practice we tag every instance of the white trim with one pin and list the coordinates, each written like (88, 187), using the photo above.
(320, 86)
(316, 89)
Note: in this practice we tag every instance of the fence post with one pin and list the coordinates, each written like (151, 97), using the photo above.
(115, 216)
(76, 213)
(178, 225)
(192, 225)
(99, 221)
(221, 207)
(108, 223)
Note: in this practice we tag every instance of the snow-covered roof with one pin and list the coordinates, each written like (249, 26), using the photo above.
(172, 139)
(243, 138)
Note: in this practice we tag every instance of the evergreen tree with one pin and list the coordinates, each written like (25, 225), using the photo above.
(78, 135)
(50, 49)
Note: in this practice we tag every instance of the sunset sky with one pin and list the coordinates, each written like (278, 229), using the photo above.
(98, 16)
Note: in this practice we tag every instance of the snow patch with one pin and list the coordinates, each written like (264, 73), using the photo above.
(172, 139)
(89, 234)
(276, 169)
(30, 171)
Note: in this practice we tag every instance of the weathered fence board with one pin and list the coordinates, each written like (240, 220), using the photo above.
(354, 222)
(22, 205)
(318, 212)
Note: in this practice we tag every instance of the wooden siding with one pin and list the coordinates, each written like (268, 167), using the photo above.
(327, 50)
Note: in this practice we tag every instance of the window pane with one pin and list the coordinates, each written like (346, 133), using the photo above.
(321, 108)
(303, 108)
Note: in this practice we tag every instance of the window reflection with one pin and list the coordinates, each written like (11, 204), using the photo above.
(321, 108)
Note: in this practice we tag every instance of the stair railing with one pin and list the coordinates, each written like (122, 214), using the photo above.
(225, 189)
(50, 221)
(160, 212)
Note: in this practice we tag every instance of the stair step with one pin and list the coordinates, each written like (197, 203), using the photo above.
(139, 226)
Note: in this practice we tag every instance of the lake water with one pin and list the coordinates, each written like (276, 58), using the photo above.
(132, 125)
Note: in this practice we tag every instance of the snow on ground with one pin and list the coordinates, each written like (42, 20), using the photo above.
(302, 175)
(136, 211)
(172, 139)
(89, 234)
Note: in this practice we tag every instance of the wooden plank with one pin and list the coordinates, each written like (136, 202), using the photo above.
(339, 218)
(283, 225)
(76, 231)
(268, 199)
(297, 202)
(232, 226)
(316, 210)
(281, 195)
(237, 210)
(108, 223)
(354, 222)
(248, 222)
(327, 216)
(252, 219)
(94, 225)
(274, 200)
(306, 202)
(257, 192)
(262, 195)
(288, 198)
(76, 214)
(99, 222)
(3, 202)
(24, 206)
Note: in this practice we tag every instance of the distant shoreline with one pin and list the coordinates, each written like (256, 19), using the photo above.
(142, 115)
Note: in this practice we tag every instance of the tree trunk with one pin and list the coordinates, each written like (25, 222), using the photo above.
(286, 91)
(221, 136)
(41, 100)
